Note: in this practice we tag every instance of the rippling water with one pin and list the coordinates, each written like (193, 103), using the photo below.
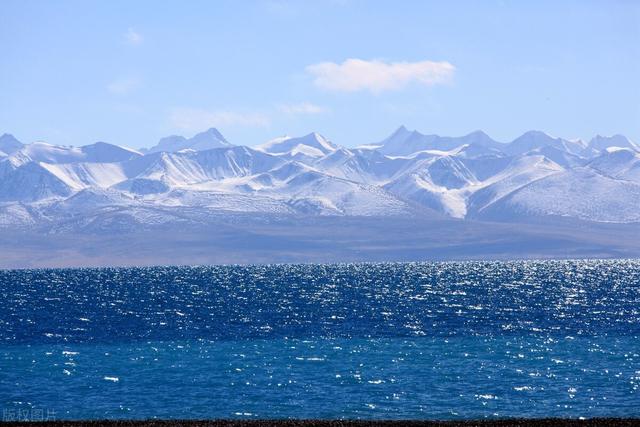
(437, 340)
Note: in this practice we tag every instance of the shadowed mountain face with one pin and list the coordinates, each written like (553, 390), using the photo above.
(102, 188)
(9, 144)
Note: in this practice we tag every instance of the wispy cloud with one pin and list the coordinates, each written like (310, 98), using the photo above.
(133, 37)
(195, 119)
(302, 108)
(378, 76)
(123, 86)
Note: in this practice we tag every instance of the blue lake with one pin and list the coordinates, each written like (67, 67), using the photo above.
(374, 341)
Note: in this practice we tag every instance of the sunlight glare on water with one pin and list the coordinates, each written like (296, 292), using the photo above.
(416, 340)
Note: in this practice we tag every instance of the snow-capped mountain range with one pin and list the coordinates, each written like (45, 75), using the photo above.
(535, 177)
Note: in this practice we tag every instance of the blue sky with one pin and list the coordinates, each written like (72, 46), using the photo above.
(75, 72)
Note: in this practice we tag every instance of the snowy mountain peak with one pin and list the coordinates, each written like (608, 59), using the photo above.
(478, 136)
(214, 133)
(100, 152)
(404, 142)
(619, 163)
(312, 145)
(43, 152)
(401, 132)
(209, 136)
(9, 144)
(536, 134)
(470, 177)
(599, 143)
(535, 139)
(206, 140)
(316, 140)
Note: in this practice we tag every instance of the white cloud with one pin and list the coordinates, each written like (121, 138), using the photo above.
(194, 119)
(302, 108)
(123, 86)
(133, 37)
(377, 76)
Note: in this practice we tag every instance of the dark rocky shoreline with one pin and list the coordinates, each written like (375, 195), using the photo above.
(546, 422)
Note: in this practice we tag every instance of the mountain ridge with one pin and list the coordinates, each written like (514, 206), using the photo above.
(409, 174)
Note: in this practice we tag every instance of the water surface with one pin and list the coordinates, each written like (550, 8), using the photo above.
(432, 340)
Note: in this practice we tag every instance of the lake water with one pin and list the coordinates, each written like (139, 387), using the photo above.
(374, 341)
